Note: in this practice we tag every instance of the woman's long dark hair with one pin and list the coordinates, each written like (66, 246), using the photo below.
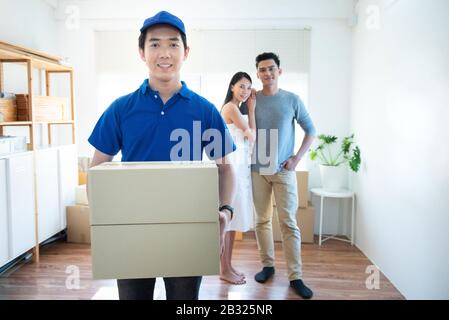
(236, 78)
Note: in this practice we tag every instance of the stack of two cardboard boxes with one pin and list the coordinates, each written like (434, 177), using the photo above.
(154, 219)
(305, 215)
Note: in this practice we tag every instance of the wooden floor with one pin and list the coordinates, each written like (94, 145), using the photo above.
(333, 271)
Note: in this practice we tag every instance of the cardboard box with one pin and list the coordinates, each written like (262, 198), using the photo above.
(238, 236)
(302, 179)
(81, 195)
(153, 219)
(46, 108)
(82, 178)
(78, 224)
(8, 110)
(305, 218)
(306, 221)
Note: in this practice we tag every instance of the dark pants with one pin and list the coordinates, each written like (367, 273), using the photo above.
(176, 288)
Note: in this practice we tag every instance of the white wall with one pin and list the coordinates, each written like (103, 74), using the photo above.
(18, 26)
(29, 23)
(400, 113)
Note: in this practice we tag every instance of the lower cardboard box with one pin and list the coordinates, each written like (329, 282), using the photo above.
(302, 180)
(78, 224)
(154, 250)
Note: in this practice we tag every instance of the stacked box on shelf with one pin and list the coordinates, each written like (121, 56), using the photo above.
(8, 110)
(23, 111)
(46, 108)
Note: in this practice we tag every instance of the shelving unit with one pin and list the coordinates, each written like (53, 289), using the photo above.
(50, 64)
(33, 59)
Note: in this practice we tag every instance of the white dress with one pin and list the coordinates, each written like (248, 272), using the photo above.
(243, 219)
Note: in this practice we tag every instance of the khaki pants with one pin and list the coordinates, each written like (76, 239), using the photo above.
(283, 184)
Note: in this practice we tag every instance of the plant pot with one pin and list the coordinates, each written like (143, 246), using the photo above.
(334, 178)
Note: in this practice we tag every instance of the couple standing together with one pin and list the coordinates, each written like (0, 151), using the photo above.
(141, 123)
(267, 129)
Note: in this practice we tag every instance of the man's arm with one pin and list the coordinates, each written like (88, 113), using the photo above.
(99, 158)
(291, 163)
(227, 185)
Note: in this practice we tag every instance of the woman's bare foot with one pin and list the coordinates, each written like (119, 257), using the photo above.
(232, 278)
(241, 274)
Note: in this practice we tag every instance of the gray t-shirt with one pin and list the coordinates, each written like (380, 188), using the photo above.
(275, 116)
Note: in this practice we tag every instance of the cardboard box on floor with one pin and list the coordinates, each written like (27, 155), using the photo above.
(78, 224)
(238, 236)
(302, 180)
(82, 178)
(154, 219)
(305, 218)
(81, 195)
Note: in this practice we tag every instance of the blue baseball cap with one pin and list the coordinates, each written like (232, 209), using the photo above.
(164, 17)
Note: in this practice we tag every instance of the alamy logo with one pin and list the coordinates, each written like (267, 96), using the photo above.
(73, 279)
(72, 21)
(373, 280)
(189, 147)
(373, 17)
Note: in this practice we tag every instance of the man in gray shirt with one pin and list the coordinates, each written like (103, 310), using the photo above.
(273, 170)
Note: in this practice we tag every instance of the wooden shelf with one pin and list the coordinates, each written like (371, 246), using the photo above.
(32, 52)
(56, 122)
(56, 146)
(31, 60)
(16, 123)
(6, 57)
(28, 123)
(38, 59)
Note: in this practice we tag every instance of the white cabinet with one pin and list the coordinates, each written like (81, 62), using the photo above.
(4, 251)
(20, 195)
(57, 178)
(56, 181)
(49, 219)
(68, 179)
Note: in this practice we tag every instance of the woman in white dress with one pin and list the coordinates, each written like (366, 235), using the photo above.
(243, 130)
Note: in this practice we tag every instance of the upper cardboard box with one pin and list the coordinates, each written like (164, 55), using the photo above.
(153, 192)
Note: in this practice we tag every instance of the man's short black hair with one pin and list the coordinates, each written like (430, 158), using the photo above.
(143, 36)
(268, 56)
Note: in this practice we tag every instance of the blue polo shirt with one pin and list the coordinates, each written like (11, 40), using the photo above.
(145, 129)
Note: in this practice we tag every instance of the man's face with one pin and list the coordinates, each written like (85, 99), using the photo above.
(163, 53)
(268, 72)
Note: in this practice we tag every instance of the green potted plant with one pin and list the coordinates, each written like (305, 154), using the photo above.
(333, 161)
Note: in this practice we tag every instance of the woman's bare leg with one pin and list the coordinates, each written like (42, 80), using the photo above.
(231, 247)
(226, 272)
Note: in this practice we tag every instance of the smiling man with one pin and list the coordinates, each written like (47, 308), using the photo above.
(276, 112)
(143, 125)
